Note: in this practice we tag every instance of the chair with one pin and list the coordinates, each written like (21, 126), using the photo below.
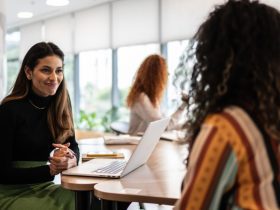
(119, 127)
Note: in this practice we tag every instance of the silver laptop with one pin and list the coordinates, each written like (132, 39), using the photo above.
(113, 168)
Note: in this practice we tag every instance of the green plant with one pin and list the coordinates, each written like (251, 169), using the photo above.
(98, 121)
(88, 121)
(110, 116)
(94, 121)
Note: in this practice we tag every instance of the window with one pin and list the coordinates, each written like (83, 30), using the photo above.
(13, 64)
(95, 80)
(69, 76)
(174, 51)
(129, 60)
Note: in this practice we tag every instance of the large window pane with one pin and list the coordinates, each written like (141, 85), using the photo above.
(129, 60)
(12, 49)
(95, 80)
(174, 51)
(69, 76)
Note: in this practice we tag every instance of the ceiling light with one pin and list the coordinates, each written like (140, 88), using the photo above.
(25, 15)
(57, 3)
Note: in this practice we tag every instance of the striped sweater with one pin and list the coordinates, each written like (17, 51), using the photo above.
(232, 166)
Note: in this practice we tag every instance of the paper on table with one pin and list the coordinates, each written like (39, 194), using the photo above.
(121, 139)
(172, 135)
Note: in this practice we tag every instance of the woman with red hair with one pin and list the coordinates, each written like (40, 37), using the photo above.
(146, 94)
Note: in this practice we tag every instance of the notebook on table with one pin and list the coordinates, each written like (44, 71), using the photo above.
(113, 168)
(121, 139)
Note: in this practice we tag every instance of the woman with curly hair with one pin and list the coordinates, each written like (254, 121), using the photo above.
(234, 110)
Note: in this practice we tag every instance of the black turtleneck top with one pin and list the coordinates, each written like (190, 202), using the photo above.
(25, 136)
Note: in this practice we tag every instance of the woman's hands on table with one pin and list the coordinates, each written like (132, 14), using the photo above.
(62, 159)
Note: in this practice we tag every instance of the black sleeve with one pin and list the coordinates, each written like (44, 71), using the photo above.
(10, 174)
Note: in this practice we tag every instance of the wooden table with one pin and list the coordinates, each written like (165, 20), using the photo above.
(158, 181)
(84, 186)
(83, 183)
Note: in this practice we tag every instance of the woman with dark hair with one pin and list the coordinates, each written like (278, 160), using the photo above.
(146, 94)
(234, 110)
(35, 118)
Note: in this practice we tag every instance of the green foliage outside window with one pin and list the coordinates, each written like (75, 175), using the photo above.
(97, 122)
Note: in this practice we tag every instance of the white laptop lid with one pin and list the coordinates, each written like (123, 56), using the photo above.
(146, 146)
(139, 157)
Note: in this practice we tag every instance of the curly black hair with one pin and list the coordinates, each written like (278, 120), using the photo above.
(236, 56)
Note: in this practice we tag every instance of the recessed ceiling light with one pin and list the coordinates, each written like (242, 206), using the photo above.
(25, 15)
(57, 3)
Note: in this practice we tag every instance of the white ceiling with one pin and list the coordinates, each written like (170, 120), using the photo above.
(41, 10)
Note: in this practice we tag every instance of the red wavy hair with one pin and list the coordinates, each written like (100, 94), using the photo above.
(151, 79)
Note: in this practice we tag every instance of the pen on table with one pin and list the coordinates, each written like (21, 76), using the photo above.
(102, 154)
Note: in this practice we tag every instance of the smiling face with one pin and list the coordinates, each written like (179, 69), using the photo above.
(46, 75)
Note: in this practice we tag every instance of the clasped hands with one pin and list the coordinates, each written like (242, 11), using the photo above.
(62, 159)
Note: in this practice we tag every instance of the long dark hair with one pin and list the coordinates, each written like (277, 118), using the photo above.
(59, 115)
(236, 55)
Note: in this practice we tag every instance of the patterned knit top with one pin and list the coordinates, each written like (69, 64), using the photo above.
(232, 166)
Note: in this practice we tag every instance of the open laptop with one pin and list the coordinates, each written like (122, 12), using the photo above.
(113, 168)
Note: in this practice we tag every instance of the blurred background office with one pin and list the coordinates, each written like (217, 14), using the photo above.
(104, 42)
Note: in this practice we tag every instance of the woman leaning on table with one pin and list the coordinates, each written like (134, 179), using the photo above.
(146, 93)
(34, 119)
(234, 110)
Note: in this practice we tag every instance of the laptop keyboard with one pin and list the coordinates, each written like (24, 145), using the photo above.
(113, 168)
